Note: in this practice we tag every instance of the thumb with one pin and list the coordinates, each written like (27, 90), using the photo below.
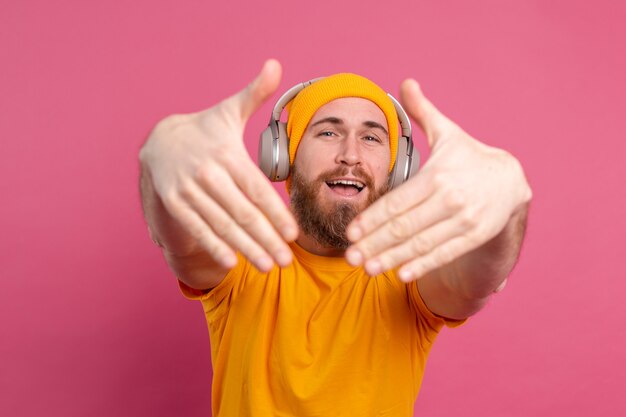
(432, 121)
(260, 89)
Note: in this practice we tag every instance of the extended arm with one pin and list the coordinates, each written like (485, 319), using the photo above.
(457, 226)
(461, 288)
(204, 199)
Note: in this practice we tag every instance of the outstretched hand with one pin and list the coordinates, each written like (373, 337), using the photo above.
(209, 187)
(463, 197)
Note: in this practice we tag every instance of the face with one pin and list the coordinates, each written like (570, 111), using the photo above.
(341, 167)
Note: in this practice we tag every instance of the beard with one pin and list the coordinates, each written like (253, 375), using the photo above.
(328, 225)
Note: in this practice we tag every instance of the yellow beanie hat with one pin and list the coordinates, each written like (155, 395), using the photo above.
(302, 108)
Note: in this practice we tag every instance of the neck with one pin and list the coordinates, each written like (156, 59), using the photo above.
(311, 245)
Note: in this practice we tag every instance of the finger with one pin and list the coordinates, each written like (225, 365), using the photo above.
(260, 89)
(426, 115)
(196, 227)
(227, 229)
(257, 188)
(439, 257)
(399, 229)
(241, 208)
(391, 205)
(417, 246)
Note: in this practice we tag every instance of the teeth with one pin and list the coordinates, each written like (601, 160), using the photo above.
(356, 184)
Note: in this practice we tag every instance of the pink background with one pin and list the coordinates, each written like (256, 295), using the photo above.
(91, 320)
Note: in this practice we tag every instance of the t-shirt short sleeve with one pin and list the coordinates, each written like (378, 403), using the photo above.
(191, 293)
(218, 298)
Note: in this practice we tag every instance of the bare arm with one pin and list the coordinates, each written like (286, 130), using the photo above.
(457, 226)
(203, 197)
(461, 288)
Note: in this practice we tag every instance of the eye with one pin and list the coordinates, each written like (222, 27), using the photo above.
(371, 138)
(326, 133)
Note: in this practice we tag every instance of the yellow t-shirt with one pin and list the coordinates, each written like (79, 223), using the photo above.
(318, 338)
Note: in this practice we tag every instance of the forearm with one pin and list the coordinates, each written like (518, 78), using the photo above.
(197, 270)
(483, 271)
(461, 288)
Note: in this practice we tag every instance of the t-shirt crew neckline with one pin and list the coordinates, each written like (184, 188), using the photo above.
(330, 263)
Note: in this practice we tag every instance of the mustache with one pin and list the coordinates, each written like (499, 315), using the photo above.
(343, 171)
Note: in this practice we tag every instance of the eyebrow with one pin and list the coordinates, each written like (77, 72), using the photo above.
(338, 121)
(375, 125)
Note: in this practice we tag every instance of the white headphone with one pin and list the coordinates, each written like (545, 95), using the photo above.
(274, 143)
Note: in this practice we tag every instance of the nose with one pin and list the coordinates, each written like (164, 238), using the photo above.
(349, 152)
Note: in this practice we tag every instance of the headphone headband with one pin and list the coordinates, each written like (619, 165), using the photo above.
(274, 144)
(290, 95)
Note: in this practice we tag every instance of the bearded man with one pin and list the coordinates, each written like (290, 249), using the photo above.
(332, 309)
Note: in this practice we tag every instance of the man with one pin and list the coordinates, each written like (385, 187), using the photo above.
(332, 310)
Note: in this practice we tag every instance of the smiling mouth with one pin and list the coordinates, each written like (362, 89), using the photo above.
(346, 187)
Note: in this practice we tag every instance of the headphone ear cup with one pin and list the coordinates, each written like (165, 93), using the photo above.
(273, 156)
(414, 162)
(282, 169)
(398, 174)
(265, 157)
(407, 162)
